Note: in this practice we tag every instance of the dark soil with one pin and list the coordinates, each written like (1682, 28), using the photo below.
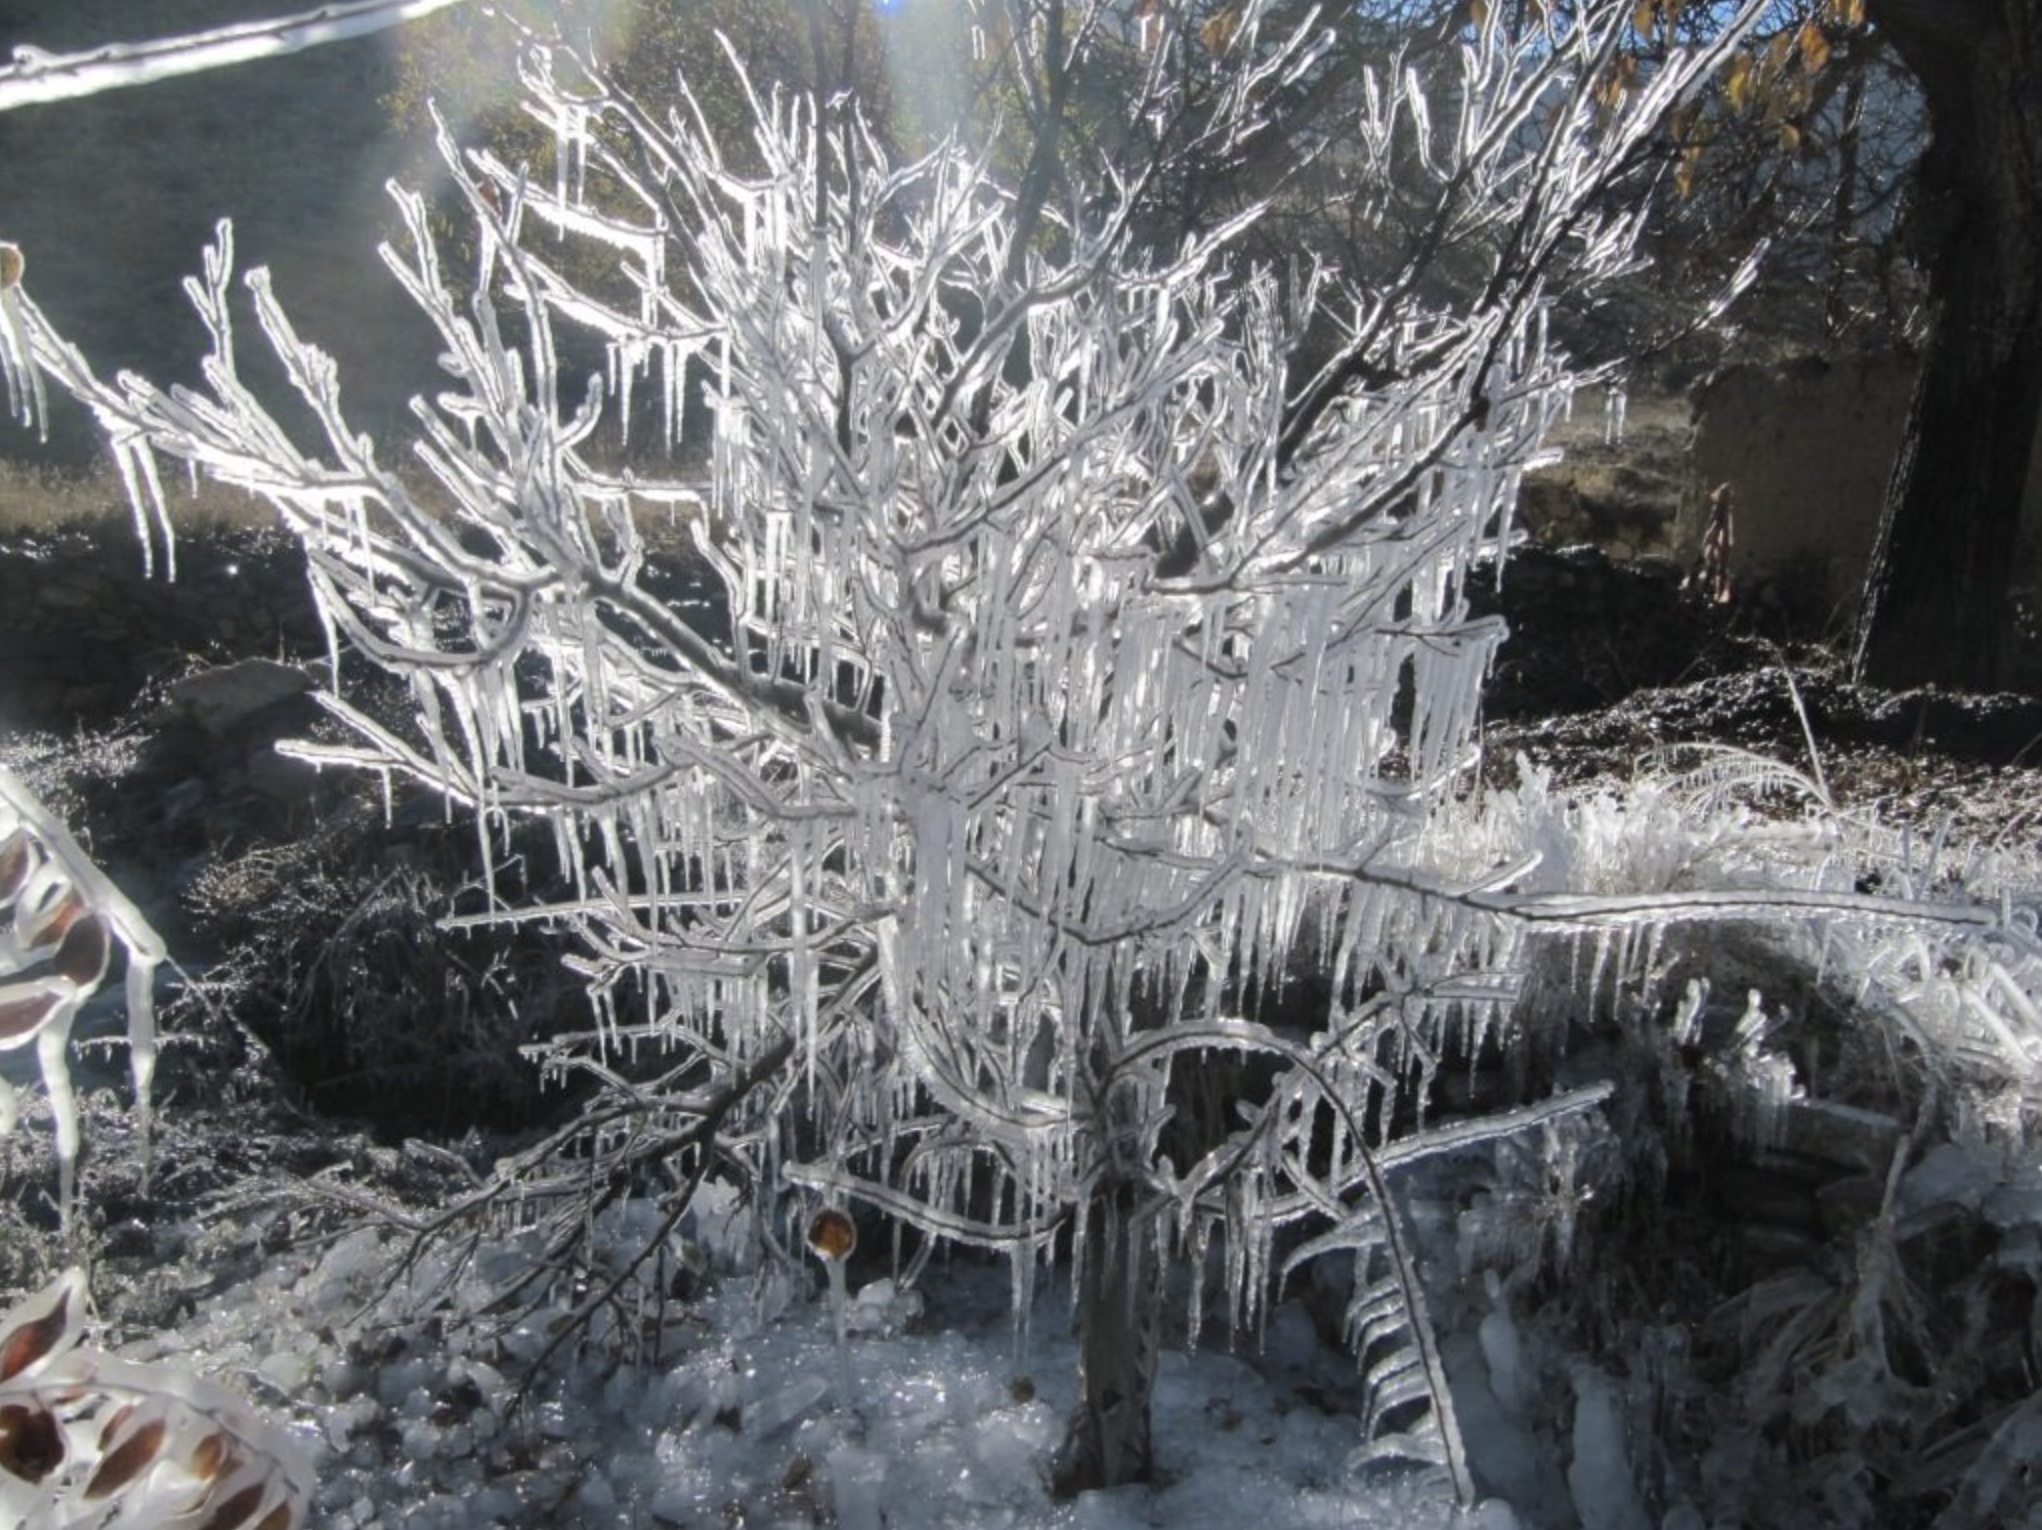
(1611, 665)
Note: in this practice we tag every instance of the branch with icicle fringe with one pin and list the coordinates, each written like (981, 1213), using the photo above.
(67, 917)
(1067, 625)
(36, 77)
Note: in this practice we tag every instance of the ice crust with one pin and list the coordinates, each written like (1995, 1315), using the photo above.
(407, 1421)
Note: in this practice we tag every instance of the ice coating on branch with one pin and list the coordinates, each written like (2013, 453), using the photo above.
(1061, 712)
(64, 919)
(35, 76)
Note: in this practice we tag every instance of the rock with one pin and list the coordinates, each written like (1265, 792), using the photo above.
(219, 700)
(279, 778)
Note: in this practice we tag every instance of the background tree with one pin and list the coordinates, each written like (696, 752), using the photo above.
(1936, 601)
(1812, 142)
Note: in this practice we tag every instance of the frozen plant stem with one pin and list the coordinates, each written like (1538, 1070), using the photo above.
(1058, 709)
(832, 1237)
(67, 916)
(840, 1315)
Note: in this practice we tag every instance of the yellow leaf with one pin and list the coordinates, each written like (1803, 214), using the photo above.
(1616, 81)
(1778, 51)
(1814, 47)
(1478, 12)
(1846, 13)
(1218, 33)
(1790, 137)
(1684, 172)
(1739, 82)
(11, 265)
(1645, 18)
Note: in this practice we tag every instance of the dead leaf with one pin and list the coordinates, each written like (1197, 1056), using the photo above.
(232, 1513)
(82, 955)
(21, 1018)
(1814, 47)
(31, 1442)
(127, 1461)
(1739, 82)
(46, 926)
(831, 1234)
(16, 861)
(210, 1455)
(1218, 33)
(35, 1339)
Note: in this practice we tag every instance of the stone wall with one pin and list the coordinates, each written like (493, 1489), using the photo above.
(83, 628)
(1807, 448)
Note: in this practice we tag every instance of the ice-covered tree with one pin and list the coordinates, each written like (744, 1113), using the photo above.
(1081, 664)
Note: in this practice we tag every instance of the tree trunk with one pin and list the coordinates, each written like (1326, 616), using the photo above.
(1936, 596)
(1119, 1302)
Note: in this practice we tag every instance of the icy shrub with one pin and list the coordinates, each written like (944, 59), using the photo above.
(1810, 1241)
(1087, 660)
(86, 1438)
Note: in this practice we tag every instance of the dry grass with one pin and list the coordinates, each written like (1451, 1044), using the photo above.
(38, 497)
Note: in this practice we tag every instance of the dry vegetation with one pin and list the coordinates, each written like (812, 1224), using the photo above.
(42, 498)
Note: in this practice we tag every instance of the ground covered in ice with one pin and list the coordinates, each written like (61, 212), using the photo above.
(1768, 1331)
(735, 1411)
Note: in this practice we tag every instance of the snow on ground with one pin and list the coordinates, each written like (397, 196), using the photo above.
(954, 1418)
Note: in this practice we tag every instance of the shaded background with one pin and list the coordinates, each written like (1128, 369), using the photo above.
(114, 197)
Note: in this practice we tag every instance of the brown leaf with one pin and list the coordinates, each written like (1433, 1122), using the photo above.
(29, 1342)
(278, 1518)
(1218, 33)
(127, 1460)
(12, 264)
(210, 1455)
(22, 1018)
(233, 1512)
(831, 1234)
(82, 954)
(16, 861)
(48, 926)
(31, 1441)
(116, 1421)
